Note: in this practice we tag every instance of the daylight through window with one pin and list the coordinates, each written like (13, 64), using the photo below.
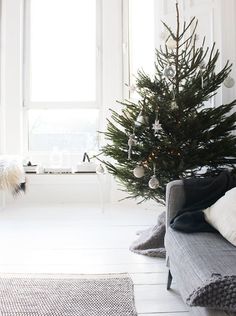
(61, 94)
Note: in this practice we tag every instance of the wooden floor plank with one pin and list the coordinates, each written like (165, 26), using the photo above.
(81, 269)
(166, 314)
(156, 299)
(149, 278)
(43, 236)
(80, 239)
(74, 256)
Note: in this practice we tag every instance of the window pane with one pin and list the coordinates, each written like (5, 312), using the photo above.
(142, 37)
(65, 130)
(63, 50)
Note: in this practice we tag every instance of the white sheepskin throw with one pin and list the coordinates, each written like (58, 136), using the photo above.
(12, 176)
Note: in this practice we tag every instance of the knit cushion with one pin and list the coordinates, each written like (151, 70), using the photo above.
(218, 292)
(222, 215)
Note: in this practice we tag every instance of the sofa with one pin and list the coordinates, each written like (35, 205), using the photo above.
(195, 258)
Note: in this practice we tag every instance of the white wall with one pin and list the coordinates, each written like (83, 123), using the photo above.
(12, 24)
(228, 42)
(216, 20)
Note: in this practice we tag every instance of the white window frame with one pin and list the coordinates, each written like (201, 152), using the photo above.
(27, 103)
(126, 50)
(127, 46)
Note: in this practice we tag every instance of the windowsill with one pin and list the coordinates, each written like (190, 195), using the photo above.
(60, 174)
(66, 178)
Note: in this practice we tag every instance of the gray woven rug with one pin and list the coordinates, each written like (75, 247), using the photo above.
(105, 295)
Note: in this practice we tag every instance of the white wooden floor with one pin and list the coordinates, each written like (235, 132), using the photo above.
(81, 239)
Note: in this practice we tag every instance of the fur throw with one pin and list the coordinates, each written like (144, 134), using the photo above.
(12, 176)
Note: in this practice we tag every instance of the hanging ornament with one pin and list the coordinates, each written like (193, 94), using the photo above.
(131, 142)
(156, 126)
(141, 119)
(100, 169)
(202, 82)
(139, 171)
(169, 72)
(153, 182)
(173, 105)
(171, 43)
(229, 82)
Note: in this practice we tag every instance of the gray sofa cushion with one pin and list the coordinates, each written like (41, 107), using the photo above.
(198, 256)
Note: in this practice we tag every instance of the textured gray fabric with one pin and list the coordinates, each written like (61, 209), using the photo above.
(175, 199)
(66, 297)
(151, 241)
(193, 258)
(205, 253)
(217, 292)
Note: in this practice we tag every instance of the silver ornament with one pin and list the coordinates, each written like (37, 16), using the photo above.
(141, 119)
(100, 169)
(139, 172)
(153, 183)
(169, 72)
(174, 105)
(202, 67)
(202, 82)
(229, 82)
(156, 126)
(131, 142)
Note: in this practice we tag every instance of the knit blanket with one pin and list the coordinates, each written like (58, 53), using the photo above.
(200, 193)
(219, 292)
(151, 240)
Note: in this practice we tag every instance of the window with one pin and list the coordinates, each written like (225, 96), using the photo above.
(63, 129)
(141, 38)
(61, 75)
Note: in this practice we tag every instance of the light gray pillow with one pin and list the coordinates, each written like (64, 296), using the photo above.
(222, 215)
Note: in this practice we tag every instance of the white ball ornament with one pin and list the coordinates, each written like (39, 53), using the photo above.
(169, 72)
(229, 82)
(153, 183)
(141, 120)
(171, 43)
(138, 172)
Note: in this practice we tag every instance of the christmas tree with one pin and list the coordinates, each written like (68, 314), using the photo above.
(170, 133)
